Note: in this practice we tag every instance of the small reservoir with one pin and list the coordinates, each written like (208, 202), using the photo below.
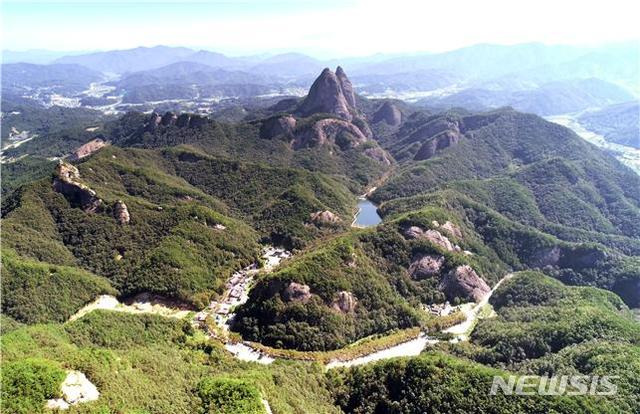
(367, 214)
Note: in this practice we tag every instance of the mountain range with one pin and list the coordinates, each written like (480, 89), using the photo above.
(169, 215)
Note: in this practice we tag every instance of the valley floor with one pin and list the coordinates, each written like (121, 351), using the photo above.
(627, 155)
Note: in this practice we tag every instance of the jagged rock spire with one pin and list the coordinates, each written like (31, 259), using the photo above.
(330, 93)
(347, 87)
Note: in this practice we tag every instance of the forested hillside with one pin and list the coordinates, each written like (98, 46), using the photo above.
(498, 222)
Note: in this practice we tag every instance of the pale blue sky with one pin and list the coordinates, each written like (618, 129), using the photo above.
(321, 28)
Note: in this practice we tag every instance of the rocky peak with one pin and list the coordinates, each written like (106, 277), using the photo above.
(439, 134)
(434, 236)
(449, 227)
(326, 95)
(388, 113)
(347, 87)
(184, 120)
(169, 118)
(66, 171)
(345, 134)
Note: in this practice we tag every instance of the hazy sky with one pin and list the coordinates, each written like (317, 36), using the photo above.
(321, 28)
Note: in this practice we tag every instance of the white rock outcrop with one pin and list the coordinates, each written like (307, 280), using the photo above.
(76, 388)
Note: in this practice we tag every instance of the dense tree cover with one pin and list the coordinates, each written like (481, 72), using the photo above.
(23, 171)
(596, 357)
(105, 329)
(372, 265)
(155, 372)
(200, 199)
(57, 130)
(28, 383)
(8, 324)
(175, 198)
(229, 396)
(546, 328)
(36, 292)
(312, 324)
(436, 383)
(171, 246)
(564, 176)
(521, 246)
(518, 203)
(277, 200)
(240, 142)
(538, 315)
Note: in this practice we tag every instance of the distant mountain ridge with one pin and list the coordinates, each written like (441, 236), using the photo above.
(22, 77)
(521, 64)
(556, 97)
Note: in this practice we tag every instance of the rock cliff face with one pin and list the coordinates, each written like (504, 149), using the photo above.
(331, 93)
(330, 130)
(347, 87)
(464, 282)
(323, 218)
(451, 228)
(281, 125)
(190, 121)
(185, 120)
(169, 118)
(66, 183)
(121, 212)
(434, 236)
(442, 141)
(567, 257)
(439, 134)
(345, 302)
(297, 292)
(546, 257)
(87, 149)
(425, 265)
(328, 96)
(388, 113)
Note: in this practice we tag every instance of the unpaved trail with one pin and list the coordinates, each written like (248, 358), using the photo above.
(140, 304)
(471, 312)
(415, 346)
(409, 348)
(242, 282)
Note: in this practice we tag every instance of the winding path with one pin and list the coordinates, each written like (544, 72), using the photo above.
(244, 352)
(415, 346)
(463, 329)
